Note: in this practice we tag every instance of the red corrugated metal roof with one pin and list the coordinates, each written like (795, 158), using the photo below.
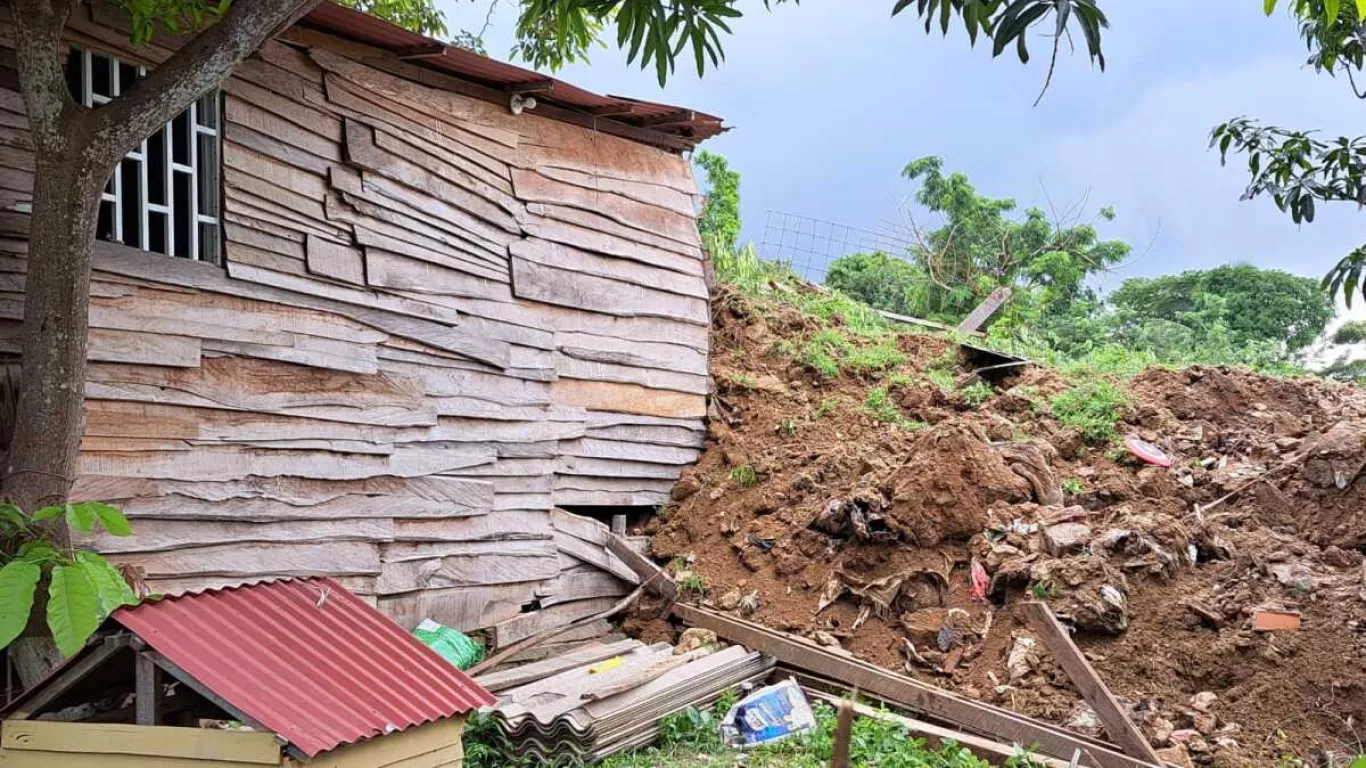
(692, 126)
(307, 659)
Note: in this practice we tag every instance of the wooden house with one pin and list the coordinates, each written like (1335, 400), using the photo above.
(373, 312)
(305, 671)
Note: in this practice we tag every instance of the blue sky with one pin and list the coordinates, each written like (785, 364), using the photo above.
(829, 100)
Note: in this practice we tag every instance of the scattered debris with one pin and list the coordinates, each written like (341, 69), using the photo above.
(450, 644)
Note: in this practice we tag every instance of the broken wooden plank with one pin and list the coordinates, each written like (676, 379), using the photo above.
(935, 736)
(1059, 643)
(968, 714)
(518, 676)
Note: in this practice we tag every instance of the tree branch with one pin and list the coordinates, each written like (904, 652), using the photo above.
(199, 66)
(38, 59)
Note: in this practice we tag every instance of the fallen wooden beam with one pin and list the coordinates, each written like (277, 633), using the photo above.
(934, 736)
(650, 574)
(1117, 725)
(967, 714)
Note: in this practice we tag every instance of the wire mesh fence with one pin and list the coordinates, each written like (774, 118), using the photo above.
(810, 245)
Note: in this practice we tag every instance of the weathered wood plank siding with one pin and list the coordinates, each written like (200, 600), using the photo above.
(435, 322)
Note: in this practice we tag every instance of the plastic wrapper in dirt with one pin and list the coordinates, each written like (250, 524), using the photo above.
(768, 715)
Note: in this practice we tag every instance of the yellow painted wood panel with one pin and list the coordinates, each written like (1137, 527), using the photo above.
(236, 747)
(21, 759)
(425, 746)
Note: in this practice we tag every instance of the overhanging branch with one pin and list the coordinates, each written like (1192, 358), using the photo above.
(198, 67)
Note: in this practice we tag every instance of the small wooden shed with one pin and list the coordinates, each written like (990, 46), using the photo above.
(317, 675)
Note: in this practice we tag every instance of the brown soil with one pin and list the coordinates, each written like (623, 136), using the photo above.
(885, 522)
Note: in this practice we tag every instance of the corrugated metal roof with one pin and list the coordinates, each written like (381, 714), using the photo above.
(691, 126)
(305, 658)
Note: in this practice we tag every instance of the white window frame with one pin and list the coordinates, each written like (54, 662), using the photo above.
(195, 170)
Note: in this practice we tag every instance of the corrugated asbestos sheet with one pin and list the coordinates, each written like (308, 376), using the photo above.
(363, 27)
(306, 659)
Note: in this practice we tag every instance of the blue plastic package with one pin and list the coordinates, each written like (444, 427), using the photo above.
(768, 715)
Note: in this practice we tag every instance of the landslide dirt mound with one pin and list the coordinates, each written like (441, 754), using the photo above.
(909, 528)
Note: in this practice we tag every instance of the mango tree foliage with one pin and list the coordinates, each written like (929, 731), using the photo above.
(1296, 168)
(552, 33)
(420, 16)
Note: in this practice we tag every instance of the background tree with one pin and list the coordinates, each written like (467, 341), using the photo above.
(1251, 305)
(719, 224)
(978, 247)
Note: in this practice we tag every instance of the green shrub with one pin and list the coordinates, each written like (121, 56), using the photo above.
(1094, 407)
(1352, 332)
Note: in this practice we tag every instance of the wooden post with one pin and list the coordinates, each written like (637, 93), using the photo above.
(147, 681)
(979, 316)
(619, 525)
(1118, 726)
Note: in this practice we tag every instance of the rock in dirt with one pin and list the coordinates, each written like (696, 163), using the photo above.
(1066, 538)
(730, 600)
(693, 639)
(1337, 455)
(1023, 658)
(1203, 701)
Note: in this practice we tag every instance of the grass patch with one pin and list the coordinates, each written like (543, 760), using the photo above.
(826, 407)
(880, 406)
(1073, 486)
(1094, 407)
(876, 357)
(942, 378)
(745, 476)
(788, 426)
(976, 394)
(693, 584)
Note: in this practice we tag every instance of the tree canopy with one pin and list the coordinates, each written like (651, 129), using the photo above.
(1248, 304)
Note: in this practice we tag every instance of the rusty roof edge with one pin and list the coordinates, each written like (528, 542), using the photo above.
(346, 23)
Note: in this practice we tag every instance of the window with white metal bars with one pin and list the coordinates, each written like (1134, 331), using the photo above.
(166, 195)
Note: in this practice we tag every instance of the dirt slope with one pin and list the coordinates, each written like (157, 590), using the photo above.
(811, 515)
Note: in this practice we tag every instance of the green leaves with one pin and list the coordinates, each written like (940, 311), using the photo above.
(109, 516)
(82, 517)
(111, 590)
(72, 608)
(83, 587)
(18, 583)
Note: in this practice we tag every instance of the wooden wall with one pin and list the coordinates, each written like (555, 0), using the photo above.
(437, 321)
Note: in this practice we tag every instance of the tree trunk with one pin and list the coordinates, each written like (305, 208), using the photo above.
(42, 460)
